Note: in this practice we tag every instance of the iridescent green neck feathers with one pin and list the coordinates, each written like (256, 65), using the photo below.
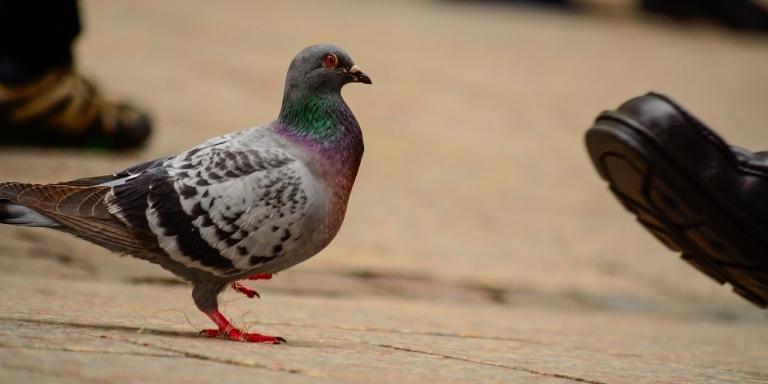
(314, 115)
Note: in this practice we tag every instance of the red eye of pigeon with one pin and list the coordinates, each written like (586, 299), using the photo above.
(330, 61)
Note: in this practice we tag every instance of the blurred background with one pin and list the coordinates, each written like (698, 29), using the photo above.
(475, 184)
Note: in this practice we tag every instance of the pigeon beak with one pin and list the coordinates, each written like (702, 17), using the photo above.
(358, 75)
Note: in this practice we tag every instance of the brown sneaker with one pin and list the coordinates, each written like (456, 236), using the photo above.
(64, 109)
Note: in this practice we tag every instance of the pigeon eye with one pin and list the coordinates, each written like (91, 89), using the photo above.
(330, 61)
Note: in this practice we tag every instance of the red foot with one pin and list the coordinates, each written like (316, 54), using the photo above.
(244, 290)
(238, 335)
(261, 276)
(227, 331)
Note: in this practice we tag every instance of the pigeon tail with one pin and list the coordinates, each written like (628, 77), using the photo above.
(15, 214)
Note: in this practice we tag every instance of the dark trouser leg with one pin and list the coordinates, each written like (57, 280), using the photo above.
(35, 36)
(744, 14)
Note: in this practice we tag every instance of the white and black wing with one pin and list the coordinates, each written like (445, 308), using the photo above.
(221, 207)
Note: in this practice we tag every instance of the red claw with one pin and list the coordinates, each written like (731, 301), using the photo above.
(244, 290)
(247, 291)
(228, 331)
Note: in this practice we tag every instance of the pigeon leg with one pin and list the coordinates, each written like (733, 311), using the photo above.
(261, 276)
(228, 331)
(244, 290)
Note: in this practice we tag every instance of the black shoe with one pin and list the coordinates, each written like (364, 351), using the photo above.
(689, 188)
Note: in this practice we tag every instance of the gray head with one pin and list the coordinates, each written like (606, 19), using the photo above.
(322, 68)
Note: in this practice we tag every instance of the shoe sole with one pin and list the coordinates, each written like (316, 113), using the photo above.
(671, 204)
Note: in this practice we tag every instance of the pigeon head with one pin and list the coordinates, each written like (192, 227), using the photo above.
(312, 103)
(322, 68)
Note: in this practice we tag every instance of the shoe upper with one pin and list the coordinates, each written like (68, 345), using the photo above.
(734, 176)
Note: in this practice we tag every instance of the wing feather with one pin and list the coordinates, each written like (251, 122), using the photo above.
(80, 209)
(225, 207)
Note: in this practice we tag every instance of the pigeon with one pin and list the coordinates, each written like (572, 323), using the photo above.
(244, 205)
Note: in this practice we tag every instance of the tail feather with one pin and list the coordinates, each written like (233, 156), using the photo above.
(59, 199)
(15, 214)
(77, 209)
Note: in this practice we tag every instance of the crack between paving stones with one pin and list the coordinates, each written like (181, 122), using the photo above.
(203, 357)
(403, 332)
(37, 348)
(492, 364)
(105, 327)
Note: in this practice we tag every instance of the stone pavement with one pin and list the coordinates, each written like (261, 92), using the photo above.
(479, 244)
